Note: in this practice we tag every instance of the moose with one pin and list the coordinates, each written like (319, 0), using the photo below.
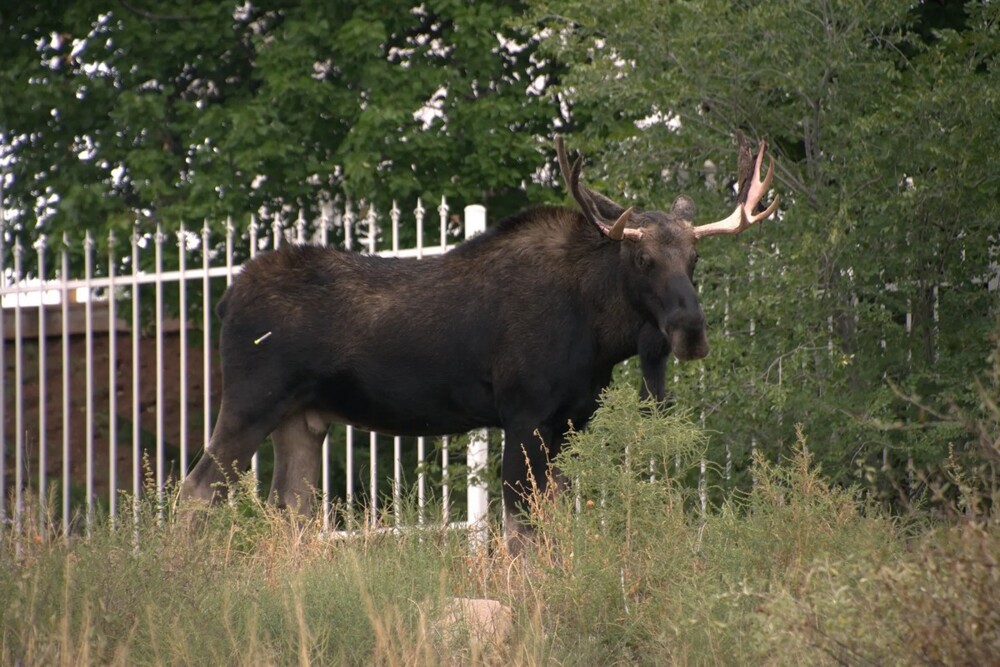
(518, 328)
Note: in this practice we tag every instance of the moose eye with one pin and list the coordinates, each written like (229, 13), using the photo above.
(642, 260)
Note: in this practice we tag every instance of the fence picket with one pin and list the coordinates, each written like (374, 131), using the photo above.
(42, 389)
(64, 274)
(182, 385)
(373, 478)
(421, 479)
(136, 414)
(112, 381)
(158, 239)
(325, 508)
(419, 215)
(18, 399)
(206, 336)
(445, 486)
(349, 465)
(88, 263)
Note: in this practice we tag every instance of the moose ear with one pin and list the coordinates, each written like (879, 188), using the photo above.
(683, 208)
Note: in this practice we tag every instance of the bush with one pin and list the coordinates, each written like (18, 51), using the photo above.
(933, 605)
(637, 577)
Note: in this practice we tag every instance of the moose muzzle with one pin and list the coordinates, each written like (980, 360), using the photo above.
(686, 333)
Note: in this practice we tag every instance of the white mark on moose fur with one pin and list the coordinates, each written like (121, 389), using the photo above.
(262, 338)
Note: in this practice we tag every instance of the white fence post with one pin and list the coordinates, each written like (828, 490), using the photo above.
(478, 452)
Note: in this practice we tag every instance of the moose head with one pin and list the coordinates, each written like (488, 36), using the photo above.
(659, 250)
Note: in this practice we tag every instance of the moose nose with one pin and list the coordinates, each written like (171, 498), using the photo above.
(686, 333)
(689, 344)
(686, 319)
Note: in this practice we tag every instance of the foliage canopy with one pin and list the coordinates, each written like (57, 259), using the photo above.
(117, 113)
(883, 119)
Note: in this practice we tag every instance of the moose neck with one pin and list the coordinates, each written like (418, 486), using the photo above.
(617, 322)
(596, 264)
(566, 250)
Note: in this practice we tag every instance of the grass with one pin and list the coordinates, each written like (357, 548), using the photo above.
(627, 570)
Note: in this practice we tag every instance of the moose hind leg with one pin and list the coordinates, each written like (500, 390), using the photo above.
(298, 449)
(236, 437)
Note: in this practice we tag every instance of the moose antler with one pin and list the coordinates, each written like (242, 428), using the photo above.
(744, 216)
(585, 198)
(572, 177)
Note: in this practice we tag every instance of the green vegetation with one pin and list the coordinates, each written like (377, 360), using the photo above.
(882, 117)
(795, 571)
(138, 113)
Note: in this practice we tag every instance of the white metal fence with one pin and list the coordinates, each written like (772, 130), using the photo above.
(91, 399)
(59, 339)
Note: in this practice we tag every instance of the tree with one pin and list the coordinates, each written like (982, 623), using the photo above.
(117, 113)
(882, 117)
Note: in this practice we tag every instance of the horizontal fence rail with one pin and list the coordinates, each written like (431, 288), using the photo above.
(134, 338)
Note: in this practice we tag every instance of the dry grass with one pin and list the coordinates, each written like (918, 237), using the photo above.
(793, 572)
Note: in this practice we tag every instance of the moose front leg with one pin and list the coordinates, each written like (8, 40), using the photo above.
(653, 352)
(525, 476)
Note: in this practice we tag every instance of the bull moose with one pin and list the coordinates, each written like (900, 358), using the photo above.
(518, 328)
